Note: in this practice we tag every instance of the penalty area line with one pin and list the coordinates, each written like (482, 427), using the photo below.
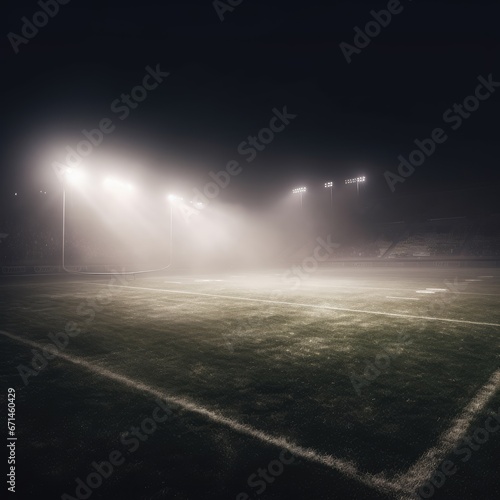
(425, 466)
(347, 468)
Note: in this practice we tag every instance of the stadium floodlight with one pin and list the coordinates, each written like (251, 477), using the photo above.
(74, 176)
(357, 181)
(198, 204)
(301, 191)
(329, 184)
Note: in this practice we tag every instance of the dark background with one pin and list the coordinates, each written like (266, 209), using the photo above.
(227, 76)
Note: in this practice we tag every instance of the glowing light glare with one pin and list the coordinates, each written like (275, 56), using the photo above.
(112, 183)
(173, 197)
(75, 176)
(355, 180)
(299, 190)
(328, 184)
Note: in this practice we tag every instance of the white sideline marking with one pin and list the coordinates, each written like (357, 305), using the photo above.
(437, 289)
(425, 466)
(473, 280)
(403, 485)
(378, 482)
(176, 282)
(402, 298)
(297, 304)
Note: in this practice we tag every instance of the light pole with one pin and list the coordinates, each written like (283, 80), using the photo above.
(330, 185)
(301, 191)
(172, 198)
(73, 177)
(357, 181)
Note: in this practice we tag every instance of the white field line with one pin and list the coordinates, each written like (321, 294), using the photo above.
(425, 466)
(404, 486)
(376, 481)
(402, 298)
(304, 285)
(430, 292)
(390, 289)
(296, 304)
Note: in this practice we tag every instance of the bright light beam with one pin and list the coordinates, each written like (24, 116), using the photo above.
(74, 176)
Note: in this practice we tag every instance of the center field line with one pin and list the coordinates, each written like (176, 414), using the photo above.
(375, 481)
(296, 304)
(428, 463)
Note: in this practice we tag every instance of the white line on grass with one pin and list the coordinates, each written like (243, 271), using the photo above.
(296, 304)
(403, 485)
(402, 298)
(376, 481)
(302, 286)
(425, 466)
(389, 289)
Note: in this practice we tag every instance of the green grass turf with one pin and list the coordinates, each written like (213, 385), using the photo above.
(282, 368)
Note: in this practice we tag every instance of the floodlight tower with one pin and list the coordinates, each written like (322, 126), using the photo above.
(75, 177)
(301, 191)
(330, 185)
(356, 180)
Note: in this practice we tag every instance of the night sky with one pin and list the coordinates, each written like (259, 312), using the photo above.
(225, 79)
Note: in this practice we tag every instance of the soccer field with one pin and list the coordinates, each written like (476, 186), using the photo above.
(348, 383)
